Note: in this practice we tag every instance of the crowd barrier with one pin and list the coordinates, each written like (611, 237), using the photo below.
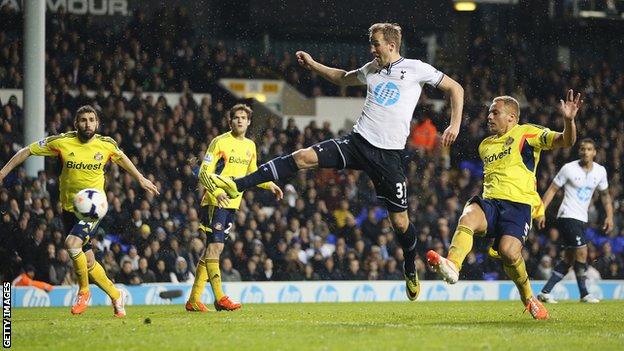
(317, 291)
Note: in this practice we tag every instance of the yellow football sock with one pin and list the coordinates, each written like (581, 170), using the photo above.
(517, 272)
(201, 275)
(212, 265)
(98, 276)
(80, 266)
(461, 244)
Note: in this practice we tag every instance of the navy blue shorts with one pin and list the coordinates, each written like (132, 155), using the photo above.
(572, 232)
(83, 230)
(384, 167)
(504, 218)
(216, 222)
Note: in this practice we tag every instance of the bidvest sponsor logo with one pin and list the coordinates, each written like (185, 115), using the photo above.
(36, 298)
(364, 293)
(239, 160)
(327, 293)
(474, 292)
(438, 292)
(289, 293)
(84, 166)
(497, 156)
(252, 294)
(398, 293)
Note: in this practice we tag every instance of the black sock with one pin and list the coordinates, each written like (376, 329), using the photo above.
(560, 270)
(408, 243)
(278, 168)
(580, 270)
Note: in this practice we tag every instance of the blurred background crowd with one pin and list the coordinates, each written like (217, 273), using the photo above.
(329, 225)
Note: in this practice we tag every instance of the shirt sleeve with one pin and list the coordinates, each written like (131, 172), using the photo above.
(604, 182)
(540, 137)
(113, 148)
(365, 70)
(561, 177)
(429, 74)
(44, 147)
(209, 163)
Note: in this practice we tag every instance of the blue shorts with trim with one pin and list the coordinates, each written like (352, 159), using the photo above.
(384, 167)
(572, 231)
(216, 222)
(504, 218)
(83, 230)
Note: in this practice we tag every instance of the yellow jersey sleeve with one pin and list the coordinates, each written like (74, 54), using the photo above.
(111, 146)
(46, 146)
(213, 154)
(543, 137)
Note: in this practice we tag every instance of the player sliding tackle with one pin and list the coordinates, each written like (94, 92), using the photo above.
(510, 158)
(394, 85)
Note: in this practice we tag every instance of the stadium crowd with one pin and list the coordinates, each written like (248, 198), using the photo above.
(329, 225)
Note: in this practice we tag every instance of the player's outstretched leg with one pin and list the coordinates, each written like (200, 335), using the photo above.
(461, 244)
(473, 219)
(278, 168)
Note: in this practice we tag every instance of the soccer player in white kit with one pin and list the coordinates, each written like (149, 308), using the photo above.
(579, 179)
(378, 138)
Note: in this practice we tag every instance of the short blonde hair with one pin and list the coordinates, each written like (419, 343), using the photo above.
(511, 105)
(241, 107)
(391, 32)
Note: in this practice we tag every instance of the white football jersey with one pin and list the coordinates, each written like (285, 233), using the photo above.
(392, 94)
(579, 187)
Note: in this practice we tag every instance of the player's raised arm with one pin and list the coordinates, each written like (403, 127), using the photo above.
(334, 75)
(569, 108)
(15, 161)
(145, 183)
(547, 199)
(456, 92)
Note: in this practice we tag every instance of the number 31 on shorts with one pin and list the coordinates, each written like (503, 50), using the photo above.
(401, 190)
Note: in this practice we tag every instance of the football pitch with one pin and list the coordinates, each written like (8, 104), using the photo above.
(325, 326)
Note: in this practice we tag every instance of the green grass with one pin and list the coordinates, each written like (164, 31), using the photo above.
(338, 326)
